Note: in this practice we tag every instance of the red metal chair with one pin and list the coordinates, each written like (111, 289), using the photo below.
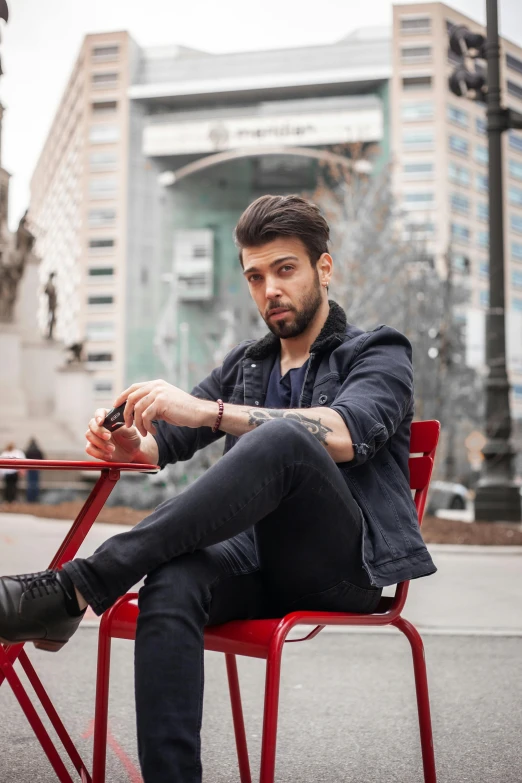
(265, 639)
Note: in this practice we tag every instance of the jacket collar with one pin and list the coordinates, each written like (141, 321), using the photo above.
(334, 328)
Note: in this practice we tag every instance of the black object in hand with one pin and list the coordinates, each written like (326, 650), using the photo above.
(114, 419)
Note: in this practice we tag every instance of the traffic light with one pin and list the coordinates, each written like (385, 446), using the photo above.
(468, 84)
(467, 45)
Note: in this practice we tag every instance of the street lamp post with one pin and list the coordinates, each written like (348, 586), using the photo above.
(497, 497)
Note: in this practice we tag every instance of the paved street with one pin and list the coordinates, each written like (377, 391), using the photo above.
(348, 706)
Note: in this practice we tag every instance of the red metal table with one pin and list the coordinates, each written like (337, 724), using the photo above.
(9, 654)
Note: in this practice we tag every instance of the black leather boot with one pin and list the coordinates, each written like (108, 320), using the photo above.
(33, 608)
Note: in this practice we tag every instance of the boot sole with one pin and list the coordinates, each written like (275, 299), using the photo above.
(40, 644)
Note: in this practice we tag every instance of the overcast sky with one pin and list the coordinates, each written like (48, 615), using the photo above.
(43, 37)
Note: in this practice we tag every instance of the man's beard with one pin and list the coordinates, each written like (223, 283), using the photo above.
(302, 318)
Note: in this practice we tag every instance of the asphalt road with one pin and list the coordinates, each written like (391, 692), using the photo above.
(348, 709)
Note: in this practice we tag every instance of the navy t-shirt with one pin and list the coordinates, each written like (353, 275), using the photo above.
(285, 392)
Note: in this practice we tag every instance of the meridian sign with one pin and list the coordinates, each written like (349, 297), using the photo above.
(306, 129)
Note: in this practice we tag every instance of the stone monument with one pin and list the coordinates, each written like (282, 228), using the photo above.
(42, 394)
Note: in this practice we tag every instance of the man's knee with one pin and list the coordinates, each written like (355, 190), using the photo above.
(282, 433)
(179, 581)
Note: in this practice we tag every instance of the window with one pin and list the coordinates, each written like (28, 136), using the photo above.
(459, 203)
(103, 161)
(96, 245)
(484, 298)
(417, 170)
(104, 134)
(105, 53)
(416, 111)
(418, 201)
(104, 107)
(515, 141)
(458, 144)
(482, 182)
(517, 391)
(514, 89)
(453, 58)
(517, 304)
(515, 169)
(516, 223)
(101, 217)
(416, 83)
(516, 251)
(482, 211)
(481, 154)
(458, 116)
(459, 174)
(415, 24)
(426, 230)
(97, 331)
(516, 278)
(460, 263)
(515, 196)
(103, 187)
(100, 358)
(483, 238)
(484, 269)
(102, 388)
(412, 198)
(104, 81)
(102, 272)
(418, 140)
(416, 54)
(481, 126)
(460, 233)
(514, 63)
(100, 299)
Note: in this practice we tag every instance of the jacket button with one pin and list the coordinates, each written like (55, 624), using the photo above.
(322, 399)
(256, 402)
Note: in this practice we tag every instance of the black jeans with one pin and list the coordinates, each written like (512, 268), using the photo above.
(270, 528)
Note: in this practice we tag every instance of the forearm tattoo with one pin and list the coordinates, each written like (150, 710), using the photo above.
(314, 426)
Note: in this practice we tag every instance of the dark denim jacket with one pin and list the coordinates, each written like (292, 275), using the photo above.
(367, 378)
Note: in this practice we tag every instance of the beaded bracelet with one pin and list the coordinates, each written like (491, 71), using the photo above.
(219, 416)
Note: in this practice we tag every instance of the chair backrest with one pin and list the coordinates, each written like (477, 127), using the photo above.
(423, 444)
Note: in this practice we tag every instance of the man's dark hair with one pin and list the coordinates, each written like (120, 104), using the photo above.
(270, 217)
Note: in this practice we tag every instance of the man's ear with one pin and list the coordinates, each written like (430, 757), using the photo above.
(325, 268)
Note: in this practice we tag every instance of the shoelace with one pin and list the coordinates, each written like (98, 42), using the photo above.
(39, 583)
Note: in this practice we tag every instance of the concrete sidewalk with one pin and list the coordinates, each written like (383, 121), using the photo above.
(348, 710)
(476, 589)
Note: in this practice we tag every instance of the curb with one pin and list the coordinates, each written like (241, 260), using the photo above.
(474, 549)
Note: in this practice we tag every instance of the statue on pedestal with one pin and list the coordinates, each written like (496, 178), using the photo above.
(13, 255)
(76, 353)
(52, 303)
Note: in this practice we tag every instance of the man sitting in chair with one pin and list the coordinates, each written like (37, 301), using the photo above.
(312, 510)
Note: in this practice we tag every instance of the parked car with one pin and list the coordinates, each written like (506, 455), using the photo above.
(448, 495)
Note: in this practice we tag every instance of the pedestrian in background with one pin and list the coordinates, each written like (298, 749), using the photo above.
(11, 474)
(32, 491)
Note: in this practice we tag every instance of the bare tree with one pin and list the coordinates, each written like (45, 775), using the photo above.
(383, 274)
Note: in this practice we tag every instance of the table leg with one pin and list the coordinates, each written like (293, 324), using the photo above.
(10, 653)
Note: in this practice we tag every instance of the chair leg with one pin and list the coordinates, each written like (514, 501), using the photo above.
(272, 683)
(237, 717)
(423, 699)
(102, 703)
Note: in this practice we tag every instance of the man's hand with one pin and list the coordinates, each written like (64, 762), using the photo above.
(160, 400)
(122, 445)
